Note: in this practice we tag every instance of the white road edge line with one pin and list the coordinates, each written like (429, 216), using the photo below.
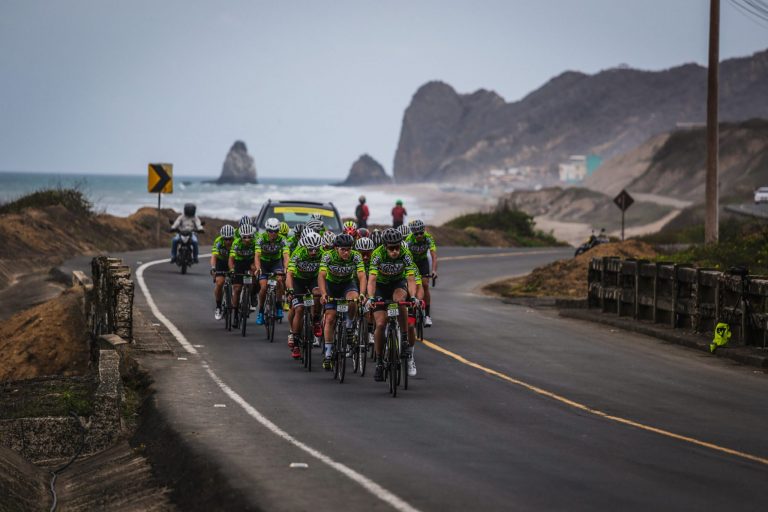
(369, 485)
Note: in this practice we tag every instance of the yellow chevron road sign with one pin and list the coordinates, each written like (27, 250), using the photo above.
(160, 178)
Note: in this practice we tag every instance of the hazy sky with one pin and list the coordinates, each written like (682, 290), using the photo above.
(108, 86)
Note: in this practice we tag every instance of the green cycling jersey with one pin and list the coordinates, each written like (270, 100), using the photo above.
(303, 265)
(388, 269)
(338, 270)
(420, 248)
(243, 251)
(219, 249)
(270, 250)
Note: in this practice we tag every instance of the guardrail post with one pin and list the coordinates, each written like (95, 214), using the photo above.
(656, 292)
(675, 288)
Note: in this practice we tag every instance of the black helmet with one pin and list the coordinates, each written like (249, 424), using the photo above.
(344, 240)
(190, 209)
(391, 236)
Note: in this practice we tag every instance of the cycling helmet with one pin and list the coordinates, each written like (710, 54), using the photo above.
(417, 226)
(351, 231)
(284, 228)
(316, 216)
(245, 220)
(246, 231)
(376, 237)
(329, 238)
(227, 231)
(298, 229)
(315, 225)
(404, 230)
(363, 233)
(190, 209)
(364, 244)
(391, 236)
(344, 240)
(350, 224)
(311, 240)
(272, 225)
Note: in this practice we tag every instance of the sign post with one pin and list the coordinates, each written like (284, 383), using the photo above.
(159, 180)
(623, 201)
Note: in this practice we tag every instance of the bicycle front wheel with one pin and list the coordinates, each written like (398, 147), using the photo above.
(245, 309)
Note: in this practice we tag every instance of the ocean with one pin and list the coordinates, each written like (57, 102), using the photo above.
(123, 194)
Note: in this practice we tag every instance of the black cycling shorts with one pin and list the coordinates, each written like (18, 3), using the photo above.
(386, 291)
(339, 291)
(271, 267)
(222, 265)
(424, 270)
(241, 267)
(302, 286)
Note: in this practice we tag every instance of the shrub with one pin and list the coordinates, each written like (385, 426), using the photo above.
(72, 199)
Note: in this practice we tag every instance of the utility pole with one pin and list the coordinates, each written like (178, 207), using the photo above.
(711, 220)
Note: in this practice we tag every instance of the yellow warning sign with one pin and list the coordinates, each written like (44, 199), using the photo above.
(160, 178)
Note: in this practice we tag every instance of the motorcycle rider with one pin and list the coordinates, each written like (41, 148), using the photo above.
(187, 221)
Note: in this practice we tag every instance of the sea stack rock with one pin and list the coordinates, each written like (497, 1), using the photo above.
(366, 171)
(238, 166)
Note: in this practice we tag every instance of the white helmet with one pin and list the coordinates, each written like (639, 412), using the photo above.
(246, 231)
(272, 224)
(364, 244)
(329, 238)
(311, 240)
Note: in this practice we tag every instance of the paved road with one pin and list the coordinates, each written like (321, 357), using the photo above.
(463, 438)
(750, 209)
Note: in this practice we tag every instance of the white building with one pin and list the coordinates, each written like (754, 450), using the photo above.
(574, 170)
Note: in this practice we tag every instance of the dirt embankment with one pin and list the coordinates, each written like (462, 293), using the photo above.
(568, 277)
(38, 238)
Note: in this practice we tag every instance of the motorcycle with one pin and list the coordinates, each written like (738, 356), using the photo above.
(185, 254)
(592, 242)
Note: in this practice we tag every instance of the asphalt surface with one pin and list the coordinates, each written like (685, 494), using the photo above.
(460, 438)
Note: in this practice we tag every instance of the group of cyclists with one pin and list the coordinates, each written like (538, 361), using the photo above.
(359, 265)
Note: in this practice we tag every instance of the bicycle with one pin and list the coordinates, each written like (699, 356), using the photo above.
(226, 299)
(395, 355)
(270, 303)
(245, 302)
(341, 341)
(307, 336)
(360, 349)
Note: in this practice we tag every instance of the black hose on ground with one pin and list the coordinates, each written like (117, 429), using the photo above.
(56, 472)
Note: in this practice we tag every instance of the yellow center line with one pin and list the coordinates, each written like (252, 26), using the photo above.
(494, 255)
(596, 412)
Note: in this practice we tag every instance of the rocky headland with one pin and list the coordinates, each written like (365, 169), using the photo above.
(447, 136)
(238, 166)
(366, 171)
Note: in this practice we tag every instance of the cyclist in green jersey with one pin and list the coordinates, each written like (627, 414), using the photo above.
(329, 238)
(365, 247)
(220, 263)
(293, 239)
(271, 257)
(392, 277)
(244, 221)
(241, 257)
(301, 279)
(342, 275)
(422, 245)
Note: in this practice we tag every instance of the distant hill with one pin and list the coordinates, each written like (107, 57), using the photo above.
(451, 136)
(674, 164)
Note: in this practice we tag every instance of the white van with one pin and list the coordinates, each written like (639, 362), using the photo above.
(761, 195)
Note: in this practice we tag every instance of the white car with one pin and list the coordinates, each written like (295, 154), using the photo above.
(761, 195)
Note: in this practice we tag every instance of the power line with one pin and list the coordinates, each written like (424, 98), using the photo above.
(751, 12)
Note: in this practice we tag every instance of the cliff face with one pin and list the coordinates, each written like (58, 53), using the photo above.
(238, 166)
(451, 136)
(366, 171)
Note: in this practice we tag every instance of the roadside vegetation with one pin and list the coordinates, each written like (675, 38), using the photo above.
(515, 226)
(73, 199)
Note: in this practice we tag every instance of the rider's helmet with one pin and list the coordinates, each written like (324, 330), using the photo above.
(344, 240)
(404, 230)
(350, 228)
(364, 245)
(227, 231)
(417, 226)
(391, 236)
(376, 237)
(190, 209)
(328, 239)
(298, 229)
(316, 216)
(363, 233)
(272, 225)
(246, 231)
(350, 224)
(361, 199)
(245, 220)
(311, 240)
(284, 228)
(315, 225)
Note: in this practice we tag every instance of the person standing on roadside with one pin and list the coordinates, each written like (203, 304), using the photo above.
(398, 214)
(362, 213)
